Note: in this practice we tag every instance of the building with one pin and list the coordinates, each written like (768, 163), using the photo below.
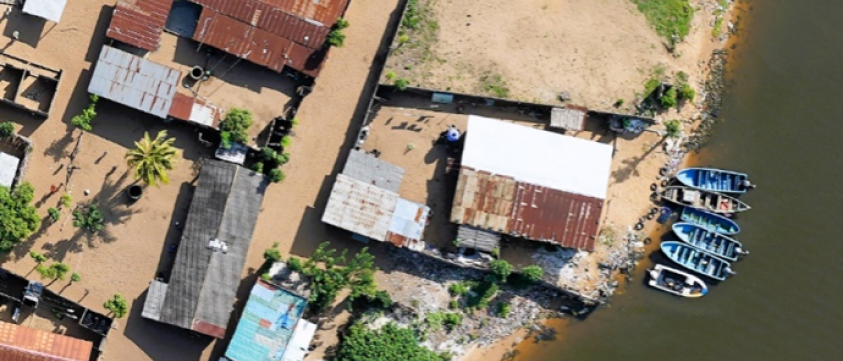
(271, 327)
(46, 9)
(202, 287)
(8, 169)
(531, 183)
(365, 201)
(18, 343)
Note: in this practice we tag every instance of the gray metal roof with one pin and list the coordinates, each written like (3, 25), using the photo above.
(368, 169)
(360, 207)
(154, 298)
(134, 81)
(204, 280)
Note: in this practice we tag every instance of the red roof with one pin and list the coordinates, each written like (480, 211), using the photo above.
(139, 22)
(183, 109)
(18, 343)
(257, 45)
(259, 12)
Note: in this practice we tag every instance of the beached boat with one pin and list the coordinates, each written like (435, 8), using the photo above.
(677, 282)
(697, 260)
(700, 199)
(717, 244)
(714, 180)
(710, 221)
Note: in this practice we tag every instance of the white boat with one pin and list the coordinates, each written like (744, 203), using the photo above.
(677, 282)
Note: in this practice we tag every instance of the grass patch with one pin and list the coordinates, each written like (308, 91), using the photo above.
(718, 18)
(494, 85)
(670, 18)
(419, 29)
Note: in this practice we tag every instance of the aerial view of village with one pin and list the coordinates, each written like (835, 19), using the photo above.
(268, 180)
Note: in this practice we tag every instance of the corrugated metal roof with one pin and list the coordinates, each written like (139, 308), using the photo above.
(368, 169)
(323, 11)
(45, 9)
(154, 298)
(18, 343)
(476, 238)
(8, 169)
(267, 327)
(360, 208)
(256, 45)
(134, 81)
(570, 118)
(195, 110)
(504, 205)
(407, 225)
(139, 22)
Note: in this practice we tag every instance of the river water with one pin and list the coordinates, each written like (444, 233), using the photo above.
(783, 125)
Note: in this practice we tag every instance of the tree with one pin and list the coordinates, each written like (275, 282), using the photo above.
(335, 38)
(90, 218)
(687, 92)
(235, 126)
(83, 121)
(75, 277)
(38, 257)
(673, 128)
(329, 280)
(502, 269)
(272, 254)
(668, 99)
(7, 129)
(117, 305)
(533, 273)
(152, 158)
(54, 214)
(55, 271)
(390, 343)
(18, 218)
(276, 175)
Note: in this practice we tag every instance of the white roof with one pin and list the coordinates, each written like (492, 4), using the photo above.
(302, 335)
(134, 81)
(538, 157)
(8, 169)
(45, 9)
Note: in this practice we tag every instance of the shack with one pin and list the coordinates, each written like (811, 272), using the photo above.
(27, 85)
(22, 343)
(213, 248)
(531, 183)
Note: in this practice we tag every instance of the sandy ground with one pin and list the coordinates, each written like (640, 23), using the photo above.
(128, 254)
(597, 51)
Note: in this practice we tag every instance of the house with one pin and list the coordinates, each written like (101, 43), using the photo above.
(26, 344)
(531, 183)
(201, 290)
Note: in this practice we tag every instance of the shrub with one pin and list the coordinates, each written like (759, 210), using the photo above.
(286, 141)
(687, 92)
(452, 320)
(502, 269)
(272, 254)
(90, 219)
(668, 99)
(682, 77)
(390, 75)
(335, 38)
(383, 298)
(38, 257)
(294, 122)
(7, 129)
(83, 121)
(533, 273)
(503, 309)
(236, 125)
(401, 84)
(454, 304)
(458, 289)
(66, 200)
(294, 264)
(342, 24)
(389, 343)
(19, 218)
(117, 305)
(53, 213)
(434, 320)
(258, 167)
(276, 176)
(75, 277)
(673, 128)
(618, 103)
(266, 277)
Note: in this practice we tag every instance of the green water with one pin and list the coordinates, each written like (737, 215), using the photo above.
(784, 126)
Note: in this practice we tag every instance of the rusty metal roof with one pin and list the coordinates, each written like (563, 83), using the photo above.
(360, 207)
(407, 225)
(323, 11)
(18, 343)
(195, 110)
(502, 204)
(134, 81)
(257, 45)
(139, 22)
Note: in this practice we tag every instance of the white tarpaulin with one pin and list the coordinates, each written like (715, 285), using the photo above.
(8, 169)
(45, 9)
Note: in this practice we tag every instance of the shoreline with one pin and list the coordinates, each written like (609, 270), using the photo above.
(715, 55)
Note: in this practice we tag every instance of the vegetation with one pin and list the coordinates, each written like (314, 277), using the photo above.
(327, 281)
(66, 200)
(272, 254)
(38, 257)
(117, 305)
(269, 155)
(390, 75)
(235, 127)
(618, 103)
(390, 343)
(55, 271)
(494, 85)
(458, 289)
(90, 219)
(718, 18)
(336, 37)
(75, 277)
(686, 92)
(401, 84)
(276, 175)
(533, 273)
(419, 32)
(452, 320)
(83, 121)
(669, 98)
(286, 141)
(482, 295)
(258, 167)
(152, 158)
(7, 129)
(501, 269)
(53, 214)
(454, 304)
(503, 309)
(673, 128)
(670, 18)
(18, 218)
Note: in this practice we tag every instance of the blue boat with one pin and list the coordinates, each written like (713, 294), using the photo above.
(714, 180)
(710, 221)
(717, 244)
(696, 260)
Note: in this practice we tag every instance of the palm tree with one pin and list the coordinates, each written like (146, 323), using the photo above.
(152, 158)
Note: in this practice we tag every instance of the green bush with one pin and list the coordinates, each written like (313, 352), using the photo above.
(389, 343)
(66, 200)
(38, 257)
(454, 304)
(503, 309)
(117, 305)
(673, 128)
(272, 254)
(390, 75)
(235, 126)
(55, 271)
(54, 214)
(7, 129)
(18, 218)
(401, 84)
(533, 273)
(294, 264)
(687, 92)
(434, 320)
(90, 219)
(266, 277)
(458, 289)
(669, 17)
(258, 167)
(75, 277)
(83, 121)
(342, 24)
(383, 299)
(335, 38)
(502, 269)
(668, 99)
(286, 141)
(276, 176)
(452, 320)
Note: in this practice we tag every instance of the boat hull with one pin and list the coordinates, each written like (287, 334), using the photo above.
(719, 245)
(714, 180)
(710, 221)
(703, 200)
(677, 282)
(696, 260)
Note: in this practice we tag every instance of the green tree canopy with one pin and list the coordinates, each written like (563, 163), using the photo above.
(390, 343)
(502, 269)
(18, 218)
(117, 305)
(533, 273)
(236, 125)
(329, 280)
(152, 158)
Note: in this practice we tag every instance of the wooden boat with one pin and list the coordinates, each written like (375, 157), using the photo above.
(697, 260)
(710, 221)
(715, 243)
(706, 201)
(677, 282)
(714, 180)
